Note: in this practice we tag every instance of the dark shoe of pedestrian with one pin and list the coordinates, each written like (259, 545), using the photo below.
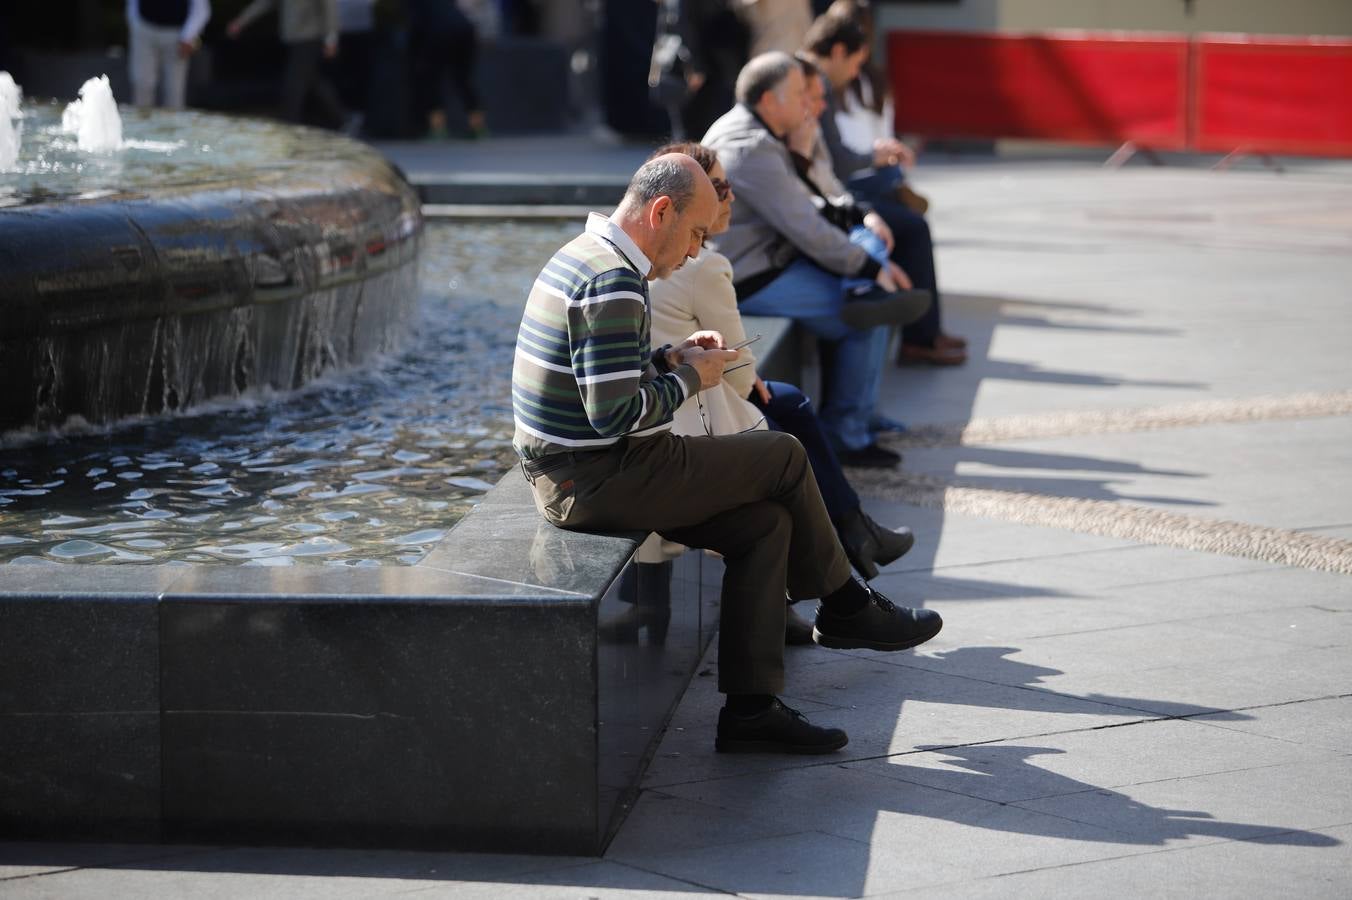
(797, 630)
(869, 545)
(870, 457)
(881, 625)
(778, 729)
(933, 356)
(879, 307)
(950, 342)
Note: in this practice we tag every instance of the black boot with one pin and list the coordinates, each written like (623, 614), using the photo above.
(647, 587)
(869, 545)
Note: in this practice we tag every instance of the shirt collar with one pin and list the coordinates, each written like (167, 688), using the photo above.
(607, 230)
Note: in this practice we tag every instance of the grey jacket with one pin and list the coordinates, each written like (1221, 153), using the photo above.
(299, 20)
(774, 218)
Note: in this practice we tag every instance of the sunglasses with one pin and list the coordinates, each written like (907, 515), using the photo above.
(721, 188)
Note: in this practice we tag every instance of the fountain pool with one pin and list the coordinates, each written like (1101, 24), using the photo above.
(360, 469)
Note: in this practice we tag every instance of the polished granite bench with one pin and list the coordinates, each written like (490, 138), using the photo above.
(466, 702)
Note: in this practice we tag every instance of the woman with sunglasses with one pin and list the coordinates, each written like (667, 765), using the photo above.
(700, 296)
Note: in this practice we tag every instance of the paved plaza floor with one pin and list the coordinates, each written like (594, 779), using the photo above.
(1134, 511)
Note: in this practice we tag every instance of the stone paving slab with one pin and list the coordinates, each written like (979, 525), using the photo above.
(1263, 867)
(1180, 470)
(843, 813)
(1091, 761)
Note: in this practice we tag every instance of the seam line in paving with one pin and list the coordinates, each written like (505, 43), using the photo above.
(1182, 848)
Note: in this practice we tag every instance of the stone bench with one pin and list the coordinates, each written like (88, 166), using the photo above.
(466, 702)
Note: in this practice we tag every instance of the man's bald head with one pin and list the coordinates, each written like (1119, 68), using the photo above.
(668, 208)
(673, 175)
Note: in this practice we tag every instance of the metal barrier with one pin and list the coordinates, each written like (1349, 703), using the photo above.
(1209, 92)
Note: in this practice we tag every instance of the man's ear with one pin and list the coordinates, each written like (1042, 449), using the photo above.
(658, 212)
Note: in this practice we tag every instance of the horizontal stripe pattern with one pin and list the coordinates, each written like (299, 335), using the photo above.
(582, 376)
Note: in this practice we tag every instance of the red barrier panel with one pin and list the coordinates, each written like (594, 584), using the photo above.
(1273, 95)
(1088, 87)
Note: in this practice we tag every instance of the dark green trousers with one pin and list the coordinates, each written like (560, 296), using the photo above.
(750, 497)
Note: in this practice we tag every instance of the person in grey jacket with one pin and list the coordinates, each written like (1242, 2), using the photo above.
(789, 260)
(837, 46)
(309, 29)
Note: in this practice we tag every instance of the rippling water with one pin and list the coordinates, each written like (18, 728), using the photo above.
(365, 469)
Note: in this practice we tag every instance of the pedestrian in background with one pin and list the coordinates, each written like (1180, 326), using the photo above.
(162, 36)
(309, 29)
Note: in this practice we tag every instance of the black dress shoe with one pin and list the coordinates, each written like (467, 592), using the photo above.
(778, 729)
(797, 630)
(877, 306)
(869, 545)
(870, 457)
(880, 625)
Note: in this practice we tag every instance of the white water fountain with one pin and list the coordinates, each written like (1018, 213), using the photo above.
(94, 119)
(10, 134)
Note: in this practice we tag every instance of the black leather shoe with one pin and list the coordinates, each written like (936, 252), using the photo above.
(879, 307)
(777, 730)
(881, 625)
(869, 545)
(870, 457)
(797, 630)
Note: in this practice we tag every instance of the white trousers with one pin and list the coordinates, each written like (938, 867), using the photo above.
(153, 60)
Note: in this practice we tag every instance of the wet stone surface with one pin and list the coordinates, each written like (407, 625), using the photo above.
(366, 468)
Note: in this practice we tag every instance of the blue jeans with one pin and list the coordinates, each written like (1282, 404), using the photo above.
(914, 249)
(790, 411)
(813, 296)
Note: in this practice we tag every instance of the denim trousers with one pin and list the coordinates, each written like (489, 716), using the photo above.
(914, 250)
(813, 296)
(790, 411)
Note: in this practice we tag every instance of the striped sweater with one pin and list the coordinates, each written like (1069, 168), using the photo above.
(585, 374)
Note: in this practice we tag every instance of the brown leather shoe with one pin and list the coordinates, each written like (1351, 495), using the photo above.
(951, 342)
(934, 356)
(915, 202)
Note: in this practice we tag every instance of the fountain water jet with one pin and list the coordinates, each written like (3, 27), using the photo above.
(94, 119)
(10, 135)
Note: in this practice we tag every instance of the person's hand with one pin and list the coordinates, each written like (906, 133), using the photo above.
(709, 340)
(330, 49)
(892, 277)
(233, 29)
(708, 363)
(694, 81)
(761, 389)
(186, 49)
(892, 152)
(874, 223)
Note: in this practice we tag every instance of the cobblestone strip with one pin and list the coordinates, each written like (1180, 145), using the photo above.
(1113, 519)
(1181, 415)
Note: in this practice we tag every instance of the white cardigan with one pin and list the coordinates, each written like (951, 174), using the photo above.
(697, 297)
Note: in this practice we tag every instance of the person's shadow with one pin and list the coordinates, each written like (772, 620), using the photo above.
(993, 664)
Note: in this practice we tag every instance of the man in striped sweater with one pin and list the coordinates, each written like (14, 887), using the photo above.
(590, 398)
